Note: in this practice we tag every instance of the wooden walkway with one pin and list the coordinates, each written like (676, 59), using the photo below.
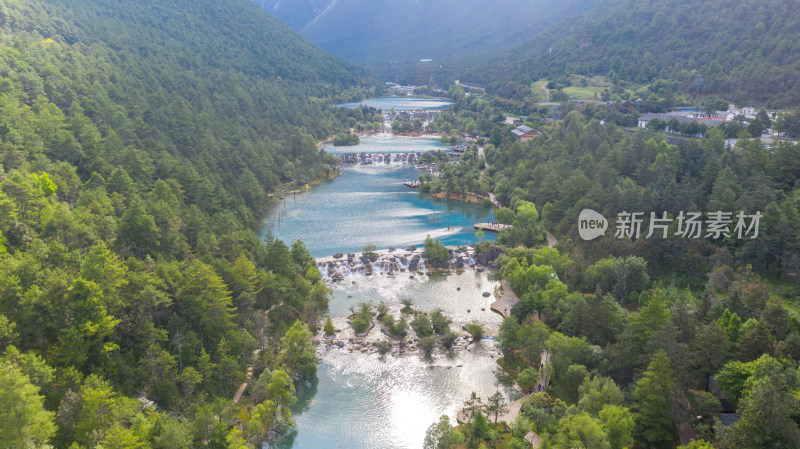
(496, 227)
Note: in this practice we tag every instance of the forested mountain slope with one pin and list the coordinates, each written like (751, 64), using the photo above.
(376, 33)
(138, 141)
(745, 50)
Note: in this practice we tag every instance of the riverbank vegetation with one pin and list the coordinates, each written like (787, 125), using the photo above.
(345, 140)
(436, 253)
(135, 296)
(361, 320)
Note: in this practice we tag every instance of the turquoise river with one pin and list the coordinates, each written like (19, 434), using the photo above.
(359, 401)
(369, 204)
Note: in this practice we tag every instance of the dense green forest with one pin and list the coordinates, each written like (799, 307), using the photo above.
(745, 50)
(635, 326)
(138, 142)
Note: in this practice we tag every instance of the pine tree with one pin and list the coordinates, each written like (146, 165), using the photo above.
(329, 329)
(653, 413)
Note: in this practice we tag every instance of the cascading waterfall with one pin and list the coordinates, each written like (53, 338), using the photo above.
(379, 158)
(389, 263)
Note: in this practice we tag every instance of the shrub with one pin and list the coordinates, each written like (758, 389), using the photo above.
(359, 324)
(329, 329)
(440, 323)
(345, 139)
(422, 325)
(427, 345)
(448, 340)
(399, 329)
(476, 330)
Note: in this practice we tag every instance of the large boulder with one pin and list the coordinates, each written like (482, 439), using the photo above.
(493, 252)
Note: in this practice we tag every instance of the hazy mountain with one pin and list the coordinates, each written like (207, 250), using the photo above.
(375, 32)
(745, 50)
(296, 13)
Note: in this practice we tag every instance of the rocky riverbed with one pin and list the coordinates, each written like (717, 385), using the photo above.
(464, 291)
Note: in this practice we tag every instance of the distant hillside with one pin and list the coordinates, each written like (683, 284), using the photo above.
(187, 72)
(377, 32)
(745, 50)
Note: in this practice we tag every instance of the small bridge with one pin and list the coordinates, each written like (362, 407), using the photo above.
(496, 227)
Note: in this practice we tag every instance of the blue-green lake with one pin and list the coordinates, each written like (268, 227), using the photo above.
(402, 103)
(359, 401)
(362, 402)
(390, 143)
(369, 204)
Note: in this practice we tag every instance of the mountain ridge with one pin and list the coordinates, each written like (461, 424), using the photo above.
(375, 33)
(743, 49)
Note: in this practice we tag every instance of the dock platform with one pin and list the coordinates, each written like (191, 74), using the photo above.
(496, 227)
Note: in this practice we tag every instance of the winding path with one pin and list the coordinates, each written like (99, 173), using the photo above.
(551, 240)
(533, 439)
(506, 302)
(494, 200)
(249, 375)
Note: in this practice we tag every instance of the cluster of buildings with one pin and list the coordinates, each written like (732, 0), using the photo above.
(670, 118)
(690, 115)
